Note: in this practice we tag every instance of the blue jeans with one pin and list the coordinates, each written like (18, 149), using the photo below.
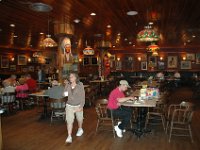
(124, 114)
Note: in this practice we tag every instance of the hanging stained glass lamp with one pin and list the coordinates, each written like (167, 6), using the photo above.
(148, 35)
(153, 48)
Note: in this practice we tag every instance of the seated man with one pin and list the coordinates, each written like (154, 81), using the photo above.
(160, 76)
(12, 80)
(124, 113)
(8, 88)
(32, 84)
(177, 75)
(56, 92)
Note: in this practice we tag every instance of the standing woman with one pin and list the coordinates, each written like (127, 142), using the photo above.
(74, 107)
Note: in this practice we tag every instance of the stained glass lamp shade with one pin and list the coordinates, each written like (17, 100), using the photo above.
(49, 42)
(153, 48)
(148, 35)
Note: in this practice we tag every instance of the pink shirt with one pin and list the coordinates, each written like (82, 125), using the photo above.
(112, 100)
(21, 88)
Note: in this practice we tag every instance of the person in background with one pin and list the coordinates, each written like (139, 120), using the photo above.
(32, 84)
(12, 80)
(124, 113)
(41, 75)
(8, 88)
(22, 89)
(160, 76)
(56, 92)
(177, 75)
(74, 89)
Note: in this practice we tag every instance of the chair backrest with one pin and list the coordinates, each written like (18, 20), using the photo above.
(58, 103)
(101, 108)
(8, 98)
(22, 93)
(185, 106)
(183, 116)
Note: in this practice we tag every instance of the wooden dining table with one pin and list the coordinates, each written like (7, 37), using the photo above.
(41, 94)
(142, 109)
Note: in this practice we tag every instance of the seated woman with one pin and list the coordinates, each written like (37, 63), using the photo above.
(8, 88)
(22, 89)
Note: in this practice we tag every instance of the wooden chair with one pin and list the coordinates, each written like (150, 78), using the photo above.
(89, 96)
(9, 102)
(157, 114)
(23, 99)
(103, 119)
(180, 118)
(57, 108)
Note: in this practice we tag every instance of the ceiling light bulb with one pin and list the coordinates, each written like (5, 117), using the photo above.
(93, 14)
(41, 33)
(193, 36)
(132, 13)
(109, 26)
(12, 25)
(76, 20)
(150, 23)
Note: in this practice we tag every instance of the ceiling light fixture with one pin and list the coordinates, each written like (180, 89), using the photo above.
(76, 20)
(48, 41)
(12, 25)
(15, 36)
(148, 35)
(153, 48)
(93, 14)
(41, 33)
(108, 26)
(193, 36)
(132, 13)
(40, 7)
(150, 23)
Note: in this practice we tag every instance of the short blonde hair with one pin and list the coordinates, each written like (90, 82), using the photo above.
(22, 81)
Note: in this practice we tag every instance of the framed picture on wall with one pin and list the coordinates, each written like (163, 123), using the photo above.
(128, 63)
(152, 61)
(118, 65)
(4, 62)
(13, 67)
(94, 61)
(198, 58)
(86, 61)
(24, 69)
(22, 60)
(190, 56)
(186, 65)
(172, 61)
(161, 65)
(143, 65)
(112, 57)
(31, 68)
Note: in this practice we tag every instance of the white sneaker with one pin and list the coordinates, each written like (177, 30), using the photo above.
(68, 140)
(119, 124)
(118, 131)
(79, 132)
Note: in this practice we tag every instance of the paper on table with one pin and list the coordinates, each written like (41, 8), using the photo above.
(65, 93)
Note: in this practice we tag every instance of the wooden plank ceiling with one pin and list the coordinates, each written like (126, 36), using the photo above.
(178, 21)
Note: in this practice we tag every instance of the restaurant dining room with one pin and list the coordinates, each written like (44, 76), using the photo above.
(99, 75)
